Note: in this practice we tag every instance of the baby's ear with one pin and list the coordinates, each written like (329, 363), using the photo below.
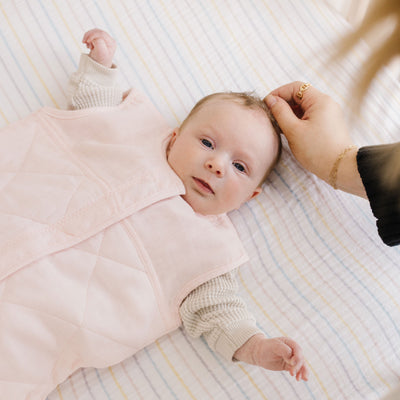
(174, 135)
(256, 192)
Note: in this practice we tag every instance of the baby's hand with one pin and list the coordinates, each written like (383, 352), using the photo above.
(101, 45)
(278, 354)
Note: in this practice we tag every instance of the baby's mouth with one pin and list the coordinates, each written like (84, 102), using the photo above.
(203, 185)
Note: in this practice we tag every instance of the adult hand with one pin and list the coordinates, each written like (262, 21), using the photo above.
(314, 126)
(101, 45)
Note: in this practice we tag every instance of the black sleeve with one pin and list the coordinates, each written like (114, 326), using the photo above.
(384, 196)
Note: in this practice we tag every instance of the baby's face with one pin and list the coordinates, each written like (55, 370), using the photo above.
(221, 154)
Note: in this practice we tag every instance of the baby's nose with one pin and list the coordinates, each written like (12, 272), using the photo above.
(215, 167)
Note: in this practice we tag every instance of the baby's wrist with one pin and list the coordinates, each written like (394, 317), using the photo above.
(106, 63)
(248, 352)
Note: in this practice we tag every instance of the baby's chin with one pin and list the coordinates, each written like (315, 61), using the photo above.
(202, 206)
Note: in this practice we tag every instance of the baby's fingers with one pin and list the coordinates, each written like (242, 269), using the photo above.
(88, 36)
(302, 374)
(296, 357)
(94, 34)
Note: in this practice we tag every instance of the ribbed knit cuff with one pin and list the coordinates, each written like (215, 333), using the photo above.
(226, 342)
(96, 72)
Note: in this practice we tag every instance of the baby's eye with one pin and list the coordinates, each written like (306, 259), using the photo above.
(207, 143)
(239, 167)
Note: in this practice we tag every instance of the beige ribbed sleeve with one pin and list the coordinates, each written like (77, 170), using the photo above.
(93, 85)
(214, 309)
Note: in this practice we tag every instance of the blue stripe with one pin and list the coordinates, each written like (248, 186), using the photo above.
(83, 371)
(167, 35)
(12, 53)
(218, 360)
(222, 386)
(160, 374)
(137, 362)
(55, 29)
(223, 39)
(110, 30)
(102, 384)
(305, 71)
(48, 42)
(167, 55)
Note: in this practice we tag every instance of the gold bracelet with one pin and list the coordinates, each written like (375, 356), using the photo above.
(333, 174)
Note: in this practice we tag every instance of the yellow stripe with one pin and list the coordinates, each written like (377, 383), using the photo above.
(66, 25)
(3, 115)
(187, 46)
(239, 45)
(117, 383)
(27, 56)
(283, 333)
(174, 370)
(311, 286)
(144, 62)
(59, 392)
(259, 305)
(252, 381)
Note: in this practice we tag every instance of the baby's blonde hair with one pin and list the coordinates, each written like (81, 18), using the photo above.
(249, 100)
(380, 12)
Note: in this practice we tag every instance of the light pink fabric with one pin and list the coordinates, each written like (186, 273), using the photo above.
(97, 248)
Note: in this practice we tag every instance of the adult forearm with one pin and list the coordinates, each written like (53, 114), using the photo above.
(347, 177)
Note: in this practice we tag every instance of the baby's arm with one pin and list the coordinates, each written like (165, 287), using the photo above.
(95, 82)
(215, 311)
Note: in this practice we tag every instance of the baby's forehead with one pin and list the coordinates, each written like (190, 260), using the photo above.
(236, 102)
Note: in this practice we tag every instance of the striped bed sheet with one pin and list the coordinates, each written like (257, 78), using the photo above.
(318, 271)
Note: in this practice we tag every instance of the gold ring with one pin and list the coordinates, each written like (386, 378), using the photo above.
(302, 89)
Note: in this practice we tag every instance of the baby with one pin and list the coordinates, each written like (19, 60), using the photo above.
(216, 160)
(223, 152)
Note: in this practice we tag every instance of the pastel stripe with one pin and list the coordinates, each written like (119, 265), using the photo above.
(39, 51)
(174, 371)
(176, 26)
(137, 390)
(55, 30)
(187, 366)
(21, 70)
(27, 56)
(117, 384)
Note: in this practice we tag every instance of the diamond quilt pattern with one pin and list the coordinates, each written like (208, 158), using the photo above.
(66, 175)
(85, 278)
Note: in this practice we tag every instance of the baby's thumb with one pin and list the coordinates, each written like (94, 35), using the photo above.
(283, 114)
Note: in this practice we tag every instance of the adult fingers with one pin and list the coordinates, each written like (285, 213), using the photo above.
(285, 116)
